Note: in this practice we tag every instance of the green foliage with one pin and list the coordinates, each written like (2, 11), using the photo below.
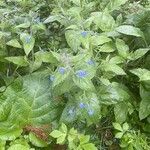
(81, 64)
(74, 139)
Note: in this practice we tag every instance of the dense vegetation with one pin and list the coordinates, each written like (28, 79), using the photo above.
(75, 74)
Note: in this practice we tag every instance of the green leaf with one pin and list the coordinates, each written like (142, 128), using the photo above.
(52, 19)
(18, 60)
(89, 146)
(26, 101)
(73, 39)
(84, 139)
(119, 135)
(138, 53)
(116, 60)
(23, 25)
(21, 140)
(37, 141)
(2, 145)
(38, 26)
(121, 111)
(6, 133)
(85, 84)
(144, 110)
(61, 139)
(46, 57)
(14, 43)
(112, 93)
(114, 5)
(117, 126)
(56, 133)
(130, 30)
(143, 74)
(104, 21)
(109, 67)
(125, 126)
(107, 47)
(99, 40)
(122, 48)
(28, 42)
(17, 147)
(63, 128)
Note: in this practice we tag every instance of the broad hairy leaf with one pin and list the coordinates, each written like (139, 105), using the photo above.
(138, 53)
(46, 57)
(99, 40)
(144, 110)
(121, 111)
(23, 25)
(27, 101)
(107, 48)
(104, 21)
(18, 60)
(122, 48)
(143, 74)
(73, 39)
(115, 4)
(14, 43)
(107, 66)
(130, 30)
(112, 93)
(28, 42)
(52, 19)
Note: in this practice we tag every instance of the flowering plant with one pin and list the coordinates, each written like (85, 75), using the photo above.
(83, 65)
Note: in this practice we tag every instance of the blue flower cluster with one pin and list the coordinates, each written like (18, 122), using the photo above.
(82, 105)
(62, 70)
(81, 73)
(84, 34)
(90, 112)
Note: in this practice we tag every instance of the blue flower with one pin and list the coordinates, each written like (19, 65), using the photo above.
(84, 34)
(28, 39)
(61, 70)
(90, 112)
(81, 73)
(82, 105)
(90, 62)
(52, 78)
